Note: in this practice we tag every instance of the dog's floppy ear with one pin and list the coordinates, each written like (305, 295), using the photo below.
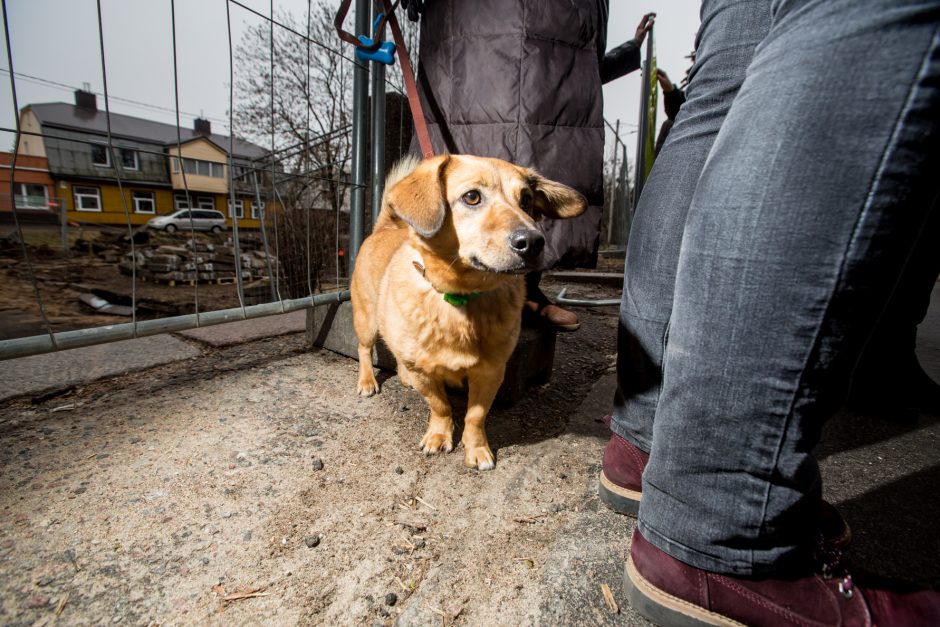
(554, 199)
(418, 199)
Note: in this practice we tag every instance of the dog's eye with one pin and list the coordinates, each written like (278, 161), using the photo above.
(525, 201)
(472, 198)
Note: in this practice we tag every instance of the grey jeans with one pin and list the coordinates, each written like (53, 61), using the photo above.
(766, 243)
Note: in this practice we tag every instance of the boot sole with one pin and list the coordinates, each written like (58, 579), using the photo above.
(618, 498)
(662, 608)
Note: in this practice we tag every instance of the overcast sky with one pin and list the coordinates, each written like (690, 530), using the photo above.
(56, 49)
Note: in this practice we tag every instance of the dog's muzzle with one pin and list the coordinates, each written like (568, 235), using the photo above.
(527, 243)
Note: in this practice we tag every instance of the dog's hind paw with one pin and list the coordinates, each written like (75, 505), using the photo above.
(437, 442)
(480, 457)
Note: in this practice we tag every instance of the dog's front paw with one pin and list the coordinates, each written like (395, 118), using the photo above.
(367, 385)
(480, 457)
(435, 442)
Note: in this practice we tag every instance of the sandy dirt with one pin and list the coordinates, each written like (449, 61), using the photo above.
(252, 486)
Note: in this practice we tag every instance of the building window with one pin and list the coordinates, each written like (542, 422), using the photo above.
(87, 198)
(129, 159)
(100, 155)
(205, 202)
(144, 202)
(30, 196)
(244, 174)
(202, 168)
(255, 213)
(239, 209)
(180, 201)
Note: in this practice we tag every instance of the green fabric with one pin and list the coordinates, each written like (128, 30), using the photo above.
(460, 300)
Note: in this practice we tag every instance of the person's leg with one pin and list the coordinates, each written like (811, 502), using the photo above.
(816, 188)
(889, 380)
(734, 29)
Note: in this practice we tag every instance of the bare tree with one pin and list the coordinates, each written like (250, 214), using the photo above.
(295, 97)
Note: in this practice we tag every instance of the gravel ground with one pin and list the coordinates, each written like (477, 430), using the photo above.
(251, 486)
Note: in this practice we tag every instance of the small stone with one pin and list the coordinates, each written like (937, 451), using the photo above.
(391, 599)
(80, 490)
(312, 541)
(136, 440)
(246, 536)
(318, 464)
(37, 601)
(419, 543)
(399, 470)
(205, 561)
(44, 581)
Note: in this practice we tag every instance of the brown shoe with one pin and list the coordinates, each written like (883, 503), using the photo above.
(620, 488)
(552, 316)
(669, 592)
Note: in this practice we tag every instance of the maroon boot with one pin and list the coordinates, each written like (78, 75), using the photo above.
(670, 592)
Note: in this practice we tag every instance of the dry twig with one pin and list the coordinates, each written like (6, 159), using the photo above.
(425, 503)
(61, 604)
(609, 597)
(248, 594)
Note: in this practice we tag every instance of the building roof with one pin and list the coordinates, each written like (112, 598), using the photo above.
(69, 116)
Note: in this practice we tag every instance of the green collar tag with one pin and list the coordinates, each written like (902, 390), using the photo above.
(461, 300)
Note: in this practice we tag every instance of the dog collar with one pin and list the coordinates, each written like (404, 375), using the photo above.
(457, 300)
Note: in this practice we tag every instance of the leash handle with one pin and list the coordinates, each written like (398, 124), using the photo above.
(417, 113)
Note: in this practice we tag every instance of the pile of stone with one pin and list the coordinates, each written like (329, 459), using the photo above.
(198, 260)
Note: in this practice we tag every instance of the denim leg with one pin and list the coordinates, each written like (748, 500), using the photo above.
(732, 29)
(812, 196)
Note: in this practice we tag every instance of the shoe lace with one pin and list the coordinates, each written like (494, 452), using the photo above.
(832, 566)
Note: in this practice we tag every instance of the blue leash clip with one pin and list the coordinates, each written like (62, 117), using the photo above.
(385, 53)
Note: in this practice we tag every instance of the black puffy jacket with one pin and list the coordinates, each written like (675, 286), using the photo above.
(521, 80)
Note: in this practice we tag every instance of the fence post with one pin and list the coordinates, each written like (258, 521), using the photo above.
(360, 124)
(63, 224)
(378, 137)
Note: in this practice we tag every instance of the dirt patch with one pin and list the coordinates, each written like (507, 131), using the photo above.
(252, 486)
(92, 265)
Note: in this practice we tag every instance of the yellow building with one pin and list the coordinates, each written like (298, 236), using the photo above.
(159, 168)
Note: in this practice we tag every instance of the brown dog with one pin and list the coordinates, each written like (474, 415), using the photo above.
(440, 280)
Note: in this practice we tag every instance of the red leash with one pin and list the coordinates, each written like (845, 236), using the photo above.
(417, 113)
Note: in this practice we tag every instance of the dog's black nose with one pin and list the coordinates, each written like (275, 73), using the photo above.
(526, 243)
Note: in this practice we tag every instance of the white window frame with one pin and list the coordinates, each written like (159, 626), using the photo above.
(255, 213)
(239, 209)
(180, 202)
(205, 202)
(23, 196)
(107, 156)
(146, 197)
(136, 166)
(79, 195)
